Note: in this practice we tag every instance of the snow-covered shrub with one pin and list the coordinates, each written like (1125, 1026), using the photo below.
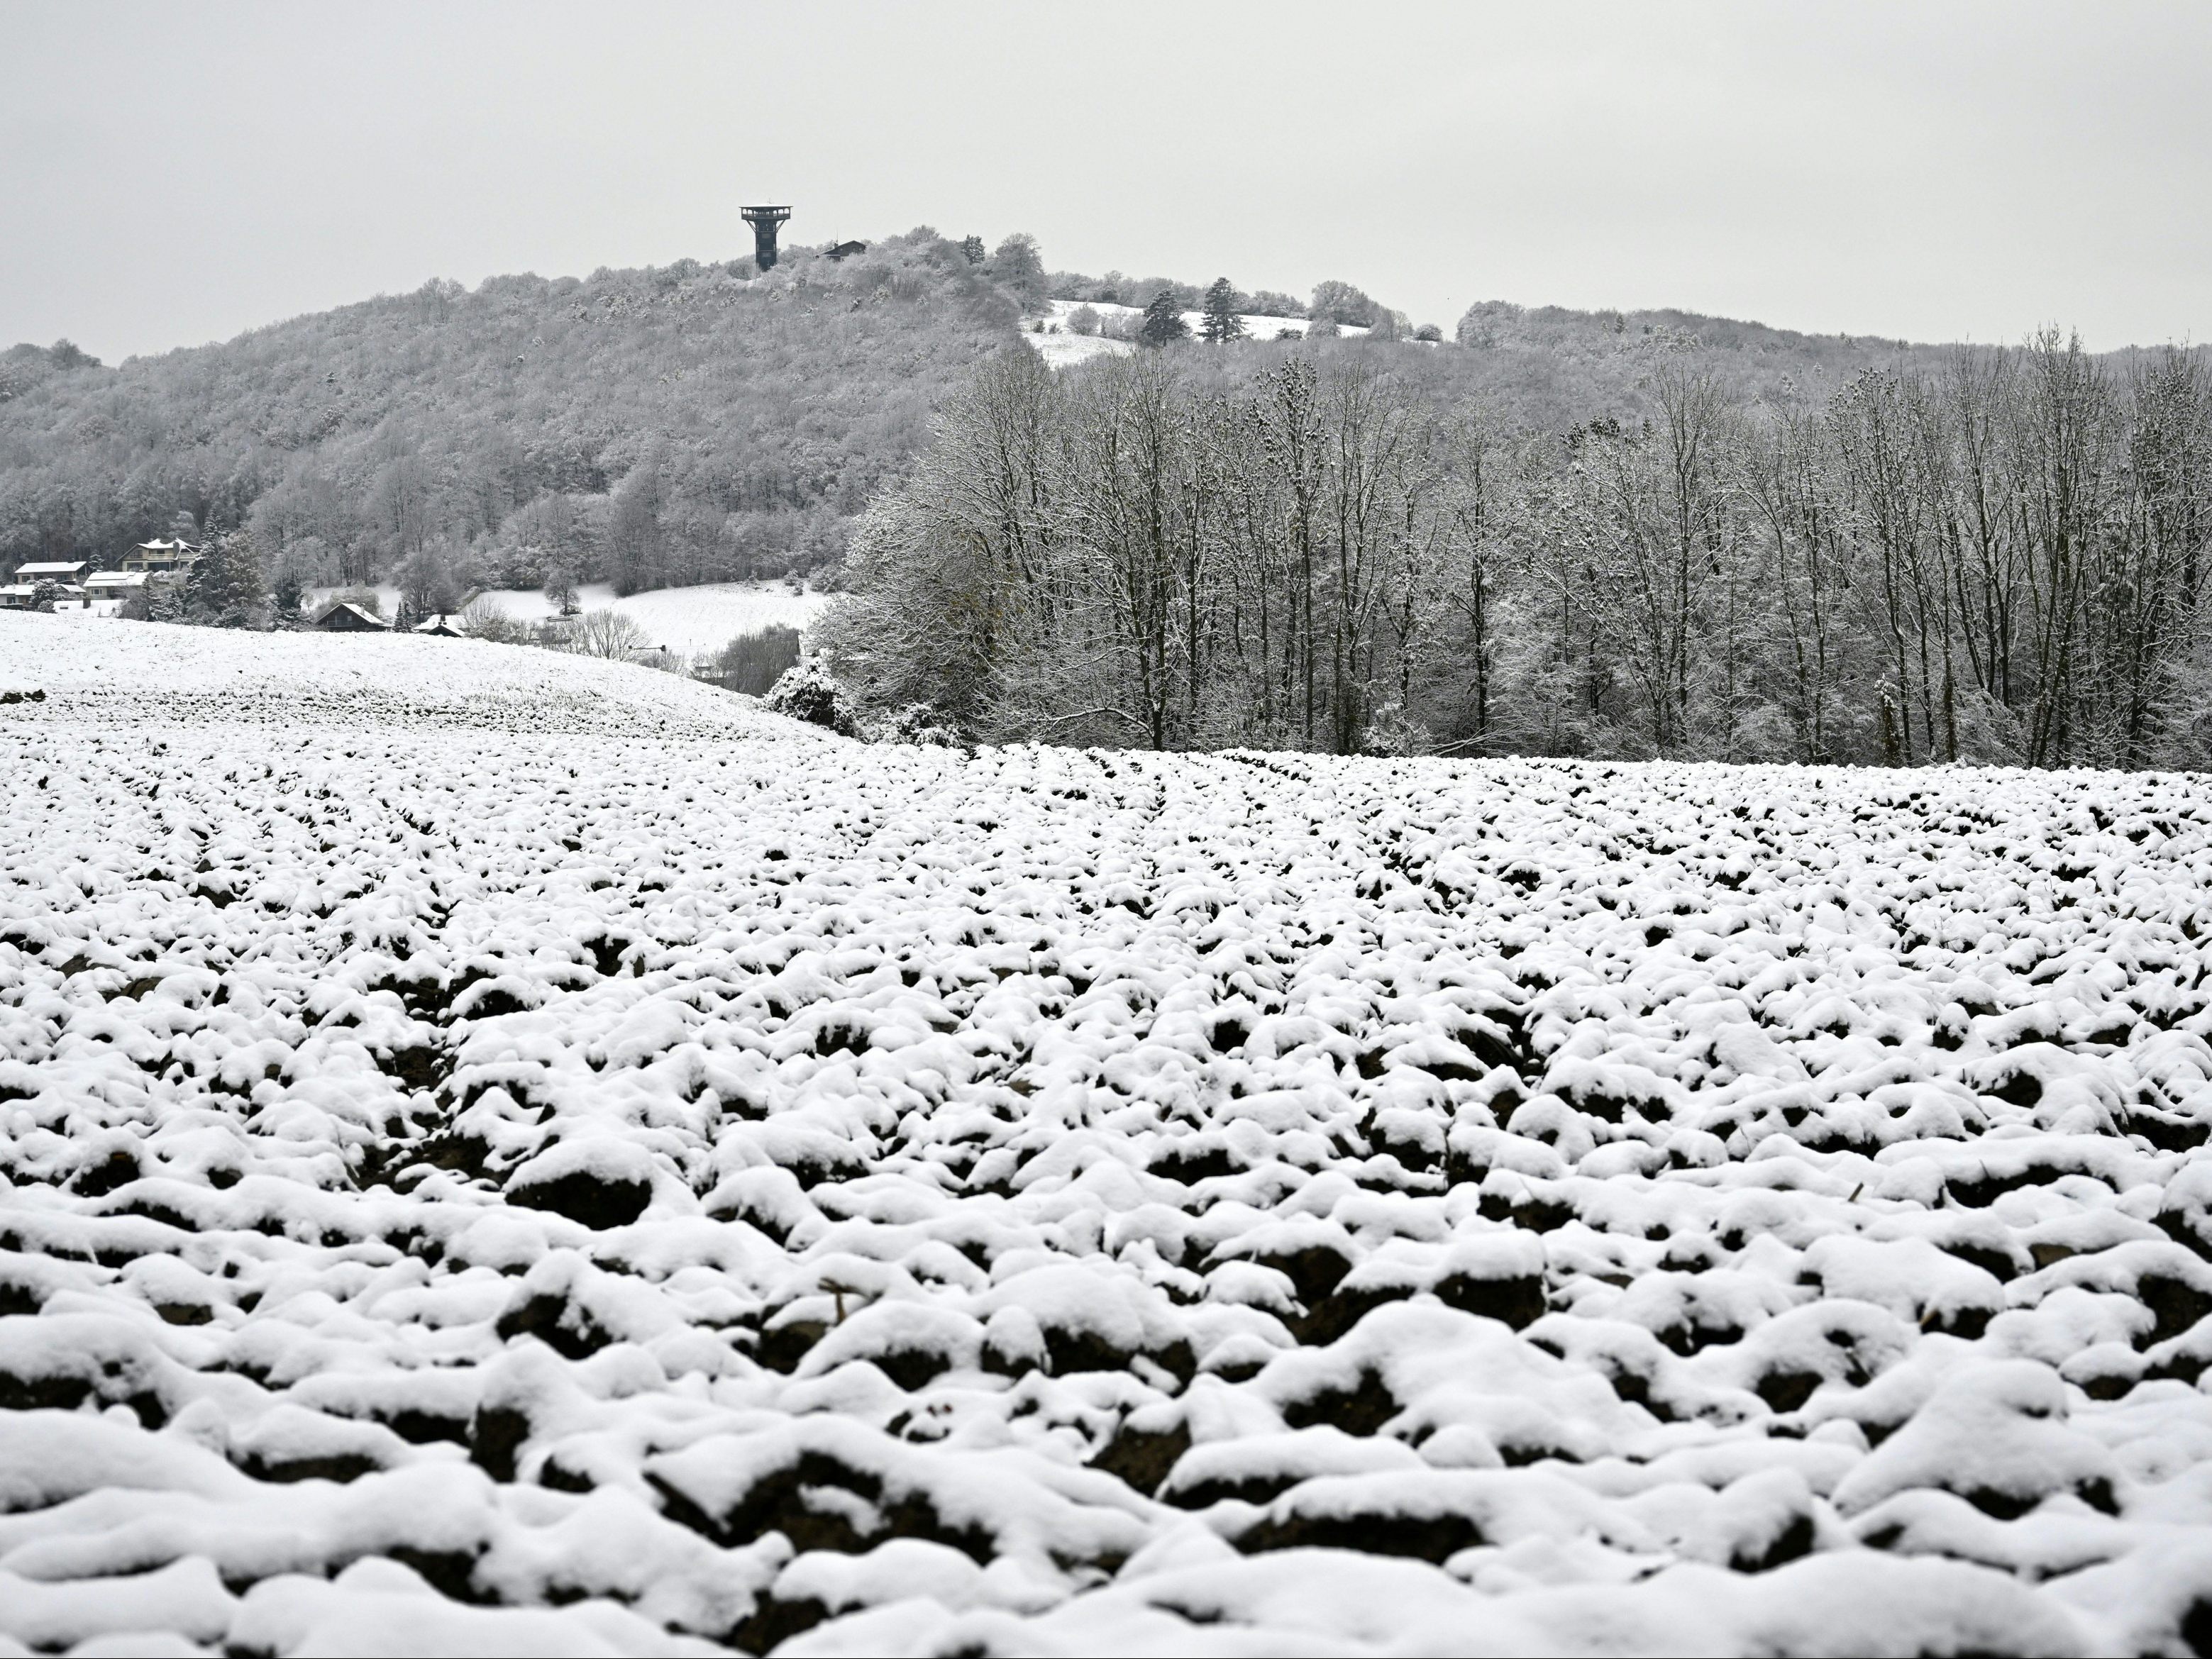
(1392, 730)
(808, 691)
(916, 722)
(485, 619)
(1082, 320)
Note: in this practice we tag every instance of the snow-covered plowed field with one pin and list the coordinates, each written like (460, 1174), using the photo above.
(495, 1181)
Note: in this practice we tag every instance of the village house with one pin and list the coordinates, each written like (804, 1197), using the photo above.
(56, 579)
(69, 573)
(161, 557)
(347, 618)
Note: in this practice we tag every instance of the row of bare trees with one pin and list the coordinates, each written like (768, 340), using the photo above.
(2001, 560)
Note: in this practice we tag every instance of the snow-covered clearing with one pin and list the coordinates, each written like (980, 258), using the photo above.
(1066, 346)
(519, 1154)
(688, 620)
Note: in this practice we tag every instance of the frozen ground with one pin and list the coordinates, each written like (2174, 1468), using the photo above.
(577, 1165)
(688, 620)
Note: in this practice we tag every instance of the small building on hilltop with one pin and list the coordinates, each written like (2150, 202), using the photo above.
(348, 618)
(440, 627)
(846, 250)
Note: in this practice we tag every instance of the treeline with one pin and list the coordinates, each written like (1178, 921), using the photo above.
(1977, 555)
(648, 428)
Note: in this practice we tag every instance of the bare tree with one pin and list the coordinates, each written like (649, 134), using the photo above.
(608, 633)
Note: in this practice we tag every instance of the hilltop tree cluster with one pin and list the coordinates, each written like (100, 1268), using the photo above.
(1993, 556)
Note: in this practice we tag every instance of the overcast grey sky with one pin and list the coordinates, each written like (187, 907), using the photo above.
(174, 173)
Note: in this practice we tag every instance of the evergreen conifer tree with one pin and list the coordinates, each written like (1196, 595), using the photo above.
(1221, 322)
(1163, 320)
(226, 586)
(203, 585)
(289, 595)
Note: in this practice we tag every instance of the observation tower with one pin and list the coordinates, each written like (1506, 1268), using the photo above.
(765, 221)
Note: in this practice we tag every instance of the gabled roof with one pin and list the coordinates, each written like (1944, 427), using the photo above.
(370, 617)
(116, 579)
(447, 625)
(52, 567)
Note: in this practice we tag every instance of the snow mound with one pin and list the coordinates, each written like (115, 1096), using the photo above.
(492, 1162)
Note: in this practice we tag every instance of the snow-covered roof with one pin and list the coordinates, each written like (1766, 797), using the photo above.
(441, 624)
(52, 567)
(159, 546)
(116, 579)
(368, 616)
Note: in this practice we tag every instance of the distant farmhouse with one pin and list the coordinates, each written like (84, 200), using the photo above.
(346, 617)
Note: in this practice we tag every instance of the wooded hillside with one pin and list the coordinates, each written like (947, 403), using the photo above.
(672, 425)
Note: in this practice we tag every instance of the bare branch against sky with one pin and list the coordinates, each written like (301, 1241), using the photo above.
(176, 174)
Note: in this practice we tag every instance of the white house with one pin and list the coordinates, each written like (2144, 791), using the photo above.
(160, 556)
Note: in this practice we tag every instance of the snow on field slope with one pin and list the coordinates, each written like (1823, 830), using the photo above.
(688, 620)
(588, 1187)
(126, 676)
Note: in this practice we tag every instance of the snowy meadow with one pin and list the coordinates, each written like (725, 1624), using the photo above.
(555, 1159)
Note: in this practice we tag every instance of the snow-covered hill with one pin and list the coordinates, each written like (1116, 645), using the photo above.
(127, 676)
(647, 1178)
